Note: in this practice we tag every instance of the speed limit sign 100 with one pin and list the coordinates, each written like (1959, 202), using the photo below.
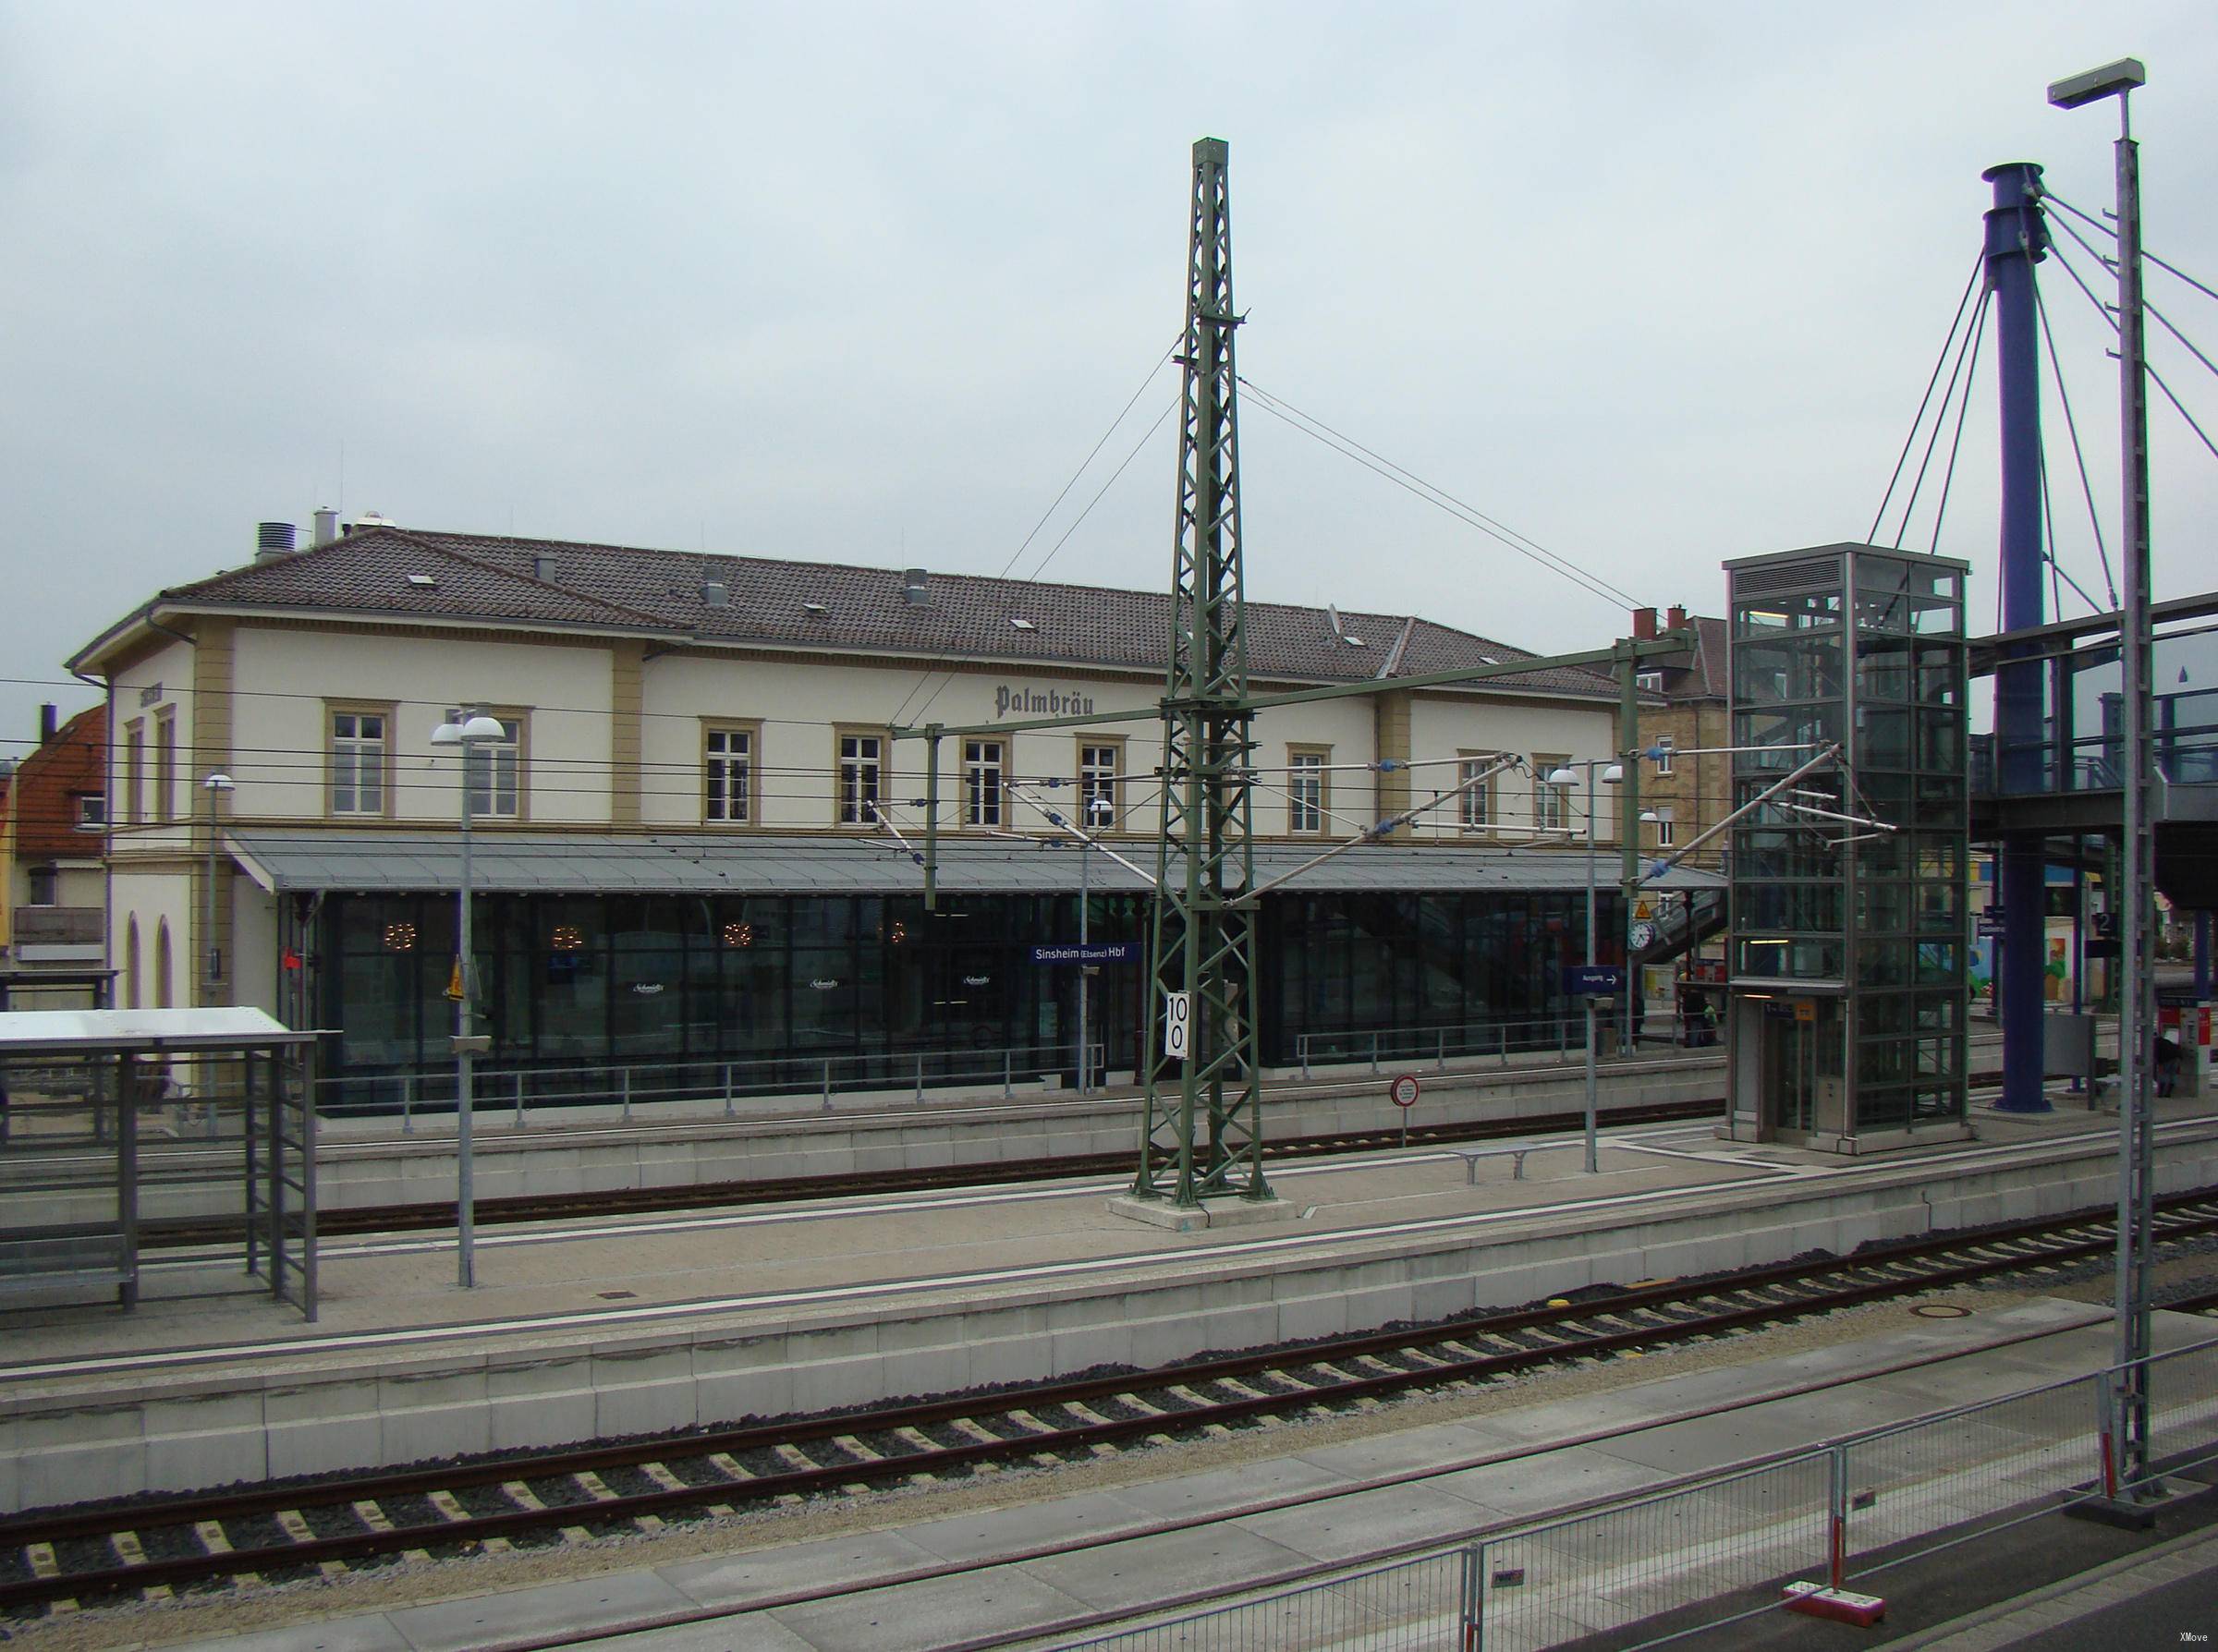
(1404, 1091)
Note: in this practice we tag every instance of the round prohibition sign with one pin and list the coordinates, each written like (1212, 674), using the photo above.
(1404, 1091)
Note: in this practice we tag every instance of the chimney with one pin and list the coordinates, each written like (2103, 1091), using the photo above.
(1674, 618)
(1644, 624)
(714, 593)
(50, 722)
(271, 540)
(327, 525)
(543, 567)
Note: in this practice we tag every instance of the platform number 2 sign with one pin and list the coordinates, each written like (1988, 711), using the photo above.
(1178, 1019)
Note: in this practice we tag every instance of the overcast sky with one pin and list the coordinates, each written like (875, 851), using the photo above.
(1655, 284)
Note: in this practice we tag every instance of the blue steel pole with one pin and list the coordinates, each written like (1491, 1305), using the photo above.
(2015, 242)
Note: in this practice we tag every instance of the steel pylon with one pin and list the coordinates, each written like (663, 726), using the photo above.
(1203, 1136)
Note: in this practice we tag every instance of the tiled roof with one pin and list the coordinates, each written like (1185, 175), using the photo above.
(1699, 673)
(400, 572)
(49, 779)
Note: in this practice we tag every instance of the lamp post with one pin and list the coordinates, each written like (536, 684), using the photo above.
(473, 730)
(1098, 811)
(212, 971)
(2137, 1015)
(1565, 779)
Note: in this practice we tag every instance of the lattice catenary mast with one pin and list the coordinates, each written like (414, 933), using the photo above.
(1203, 1136)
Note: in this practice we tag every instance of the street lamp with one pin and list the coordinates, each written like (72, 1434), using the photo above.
(1564, 779)
(2136, 1005)
(1099, 812)
(475, 730)
(215, 786)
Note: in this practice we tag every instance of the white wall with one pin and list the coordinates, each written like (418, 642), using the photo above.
(1443, 726)
(287, 679)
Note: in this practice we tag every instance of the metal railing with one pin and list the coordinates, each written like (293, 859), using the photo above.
(650, 1084)
(1496, 1041)
(1649, 1569)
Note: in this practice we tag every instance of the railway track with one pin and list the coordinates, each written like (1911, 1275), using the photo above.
(389, 1219)
(159, 1544)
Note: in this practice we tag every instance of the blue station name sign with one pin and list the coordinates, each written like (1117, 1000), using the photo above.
(1592, 980)
(1097, 951)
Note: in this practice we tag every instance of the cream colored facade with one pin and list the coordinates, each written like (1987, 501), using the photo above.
(612, 737)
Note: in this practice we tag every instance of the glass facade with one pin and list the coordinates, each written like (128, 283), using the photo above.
(568, 984)
(1848, 938)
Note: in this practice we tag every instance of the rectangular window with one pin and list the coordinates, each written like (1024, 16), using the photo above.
(1475, 809)
(860, 759)
(727, 775)
(165, 768)
(492, 772)
(91, 811)
(1664, 753)
(1306, 800)
(1551, 804)
(134, 773)
(1653, 681)
(1099, 766)
(357, 763)
(981, 783)
(1663, 827)
(45, 886)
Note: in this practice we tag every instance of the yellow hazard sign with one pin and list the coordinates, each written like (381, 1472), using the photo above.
(453, 982)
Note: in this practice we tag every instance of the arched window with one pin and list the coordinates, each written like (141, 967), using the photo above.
(161, 965)
(130, 964)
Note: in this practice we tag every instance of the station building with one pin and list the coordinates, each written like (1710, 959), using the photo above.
(693, 843)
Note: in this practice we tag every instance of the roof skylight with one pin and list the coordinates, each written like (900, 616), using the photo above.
(425, 580)
(1022, 624)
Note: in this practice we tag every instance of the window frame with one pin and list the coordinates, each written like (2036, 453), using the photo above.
(841, 735)
(1115, 744)
(166, 764)
(1666, 747)
(134, 771)
(519, 743)
(91, 811)
(1665, 825)
(1307, 755)
(1550, 804)
(1475, 809)
(333, 711)
(748, 729)
(980, 811)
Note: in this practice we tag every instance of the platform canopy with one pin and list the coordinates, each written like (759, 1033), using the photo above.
(154, 1032)
(703, 863)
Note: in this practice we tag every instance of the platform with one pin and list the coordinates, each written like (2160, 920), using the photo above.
(632, 1325)
(1062, 1563)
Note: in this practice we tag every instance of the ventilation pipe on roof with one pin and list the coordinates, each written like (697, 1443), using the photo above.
(327, 525)
(714, 593)
(914, 591)
(272, 540)
(50, 722)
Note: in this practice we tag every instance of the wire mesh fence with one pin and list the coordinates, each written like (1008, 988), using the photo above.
(1602, 1572)
(1413, 1606)
(1652, 1568)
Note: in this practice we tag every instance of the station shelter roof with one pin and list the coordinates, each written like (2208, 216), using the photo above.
(705, 863)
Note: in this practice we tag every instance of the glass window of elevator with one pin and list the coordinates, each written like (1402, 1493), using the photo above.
(1849, 888)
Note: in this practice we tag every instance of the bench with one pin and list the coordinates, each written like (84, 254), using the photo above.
(1517, 1150)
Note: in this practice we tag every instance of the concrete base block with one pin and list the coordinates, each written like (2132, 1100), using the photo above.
(1211, 1213)
(2136, 1514)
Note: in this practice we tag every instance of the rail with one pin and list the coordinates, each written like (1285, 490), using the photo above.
(409, 1093)
(1723, 1547)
